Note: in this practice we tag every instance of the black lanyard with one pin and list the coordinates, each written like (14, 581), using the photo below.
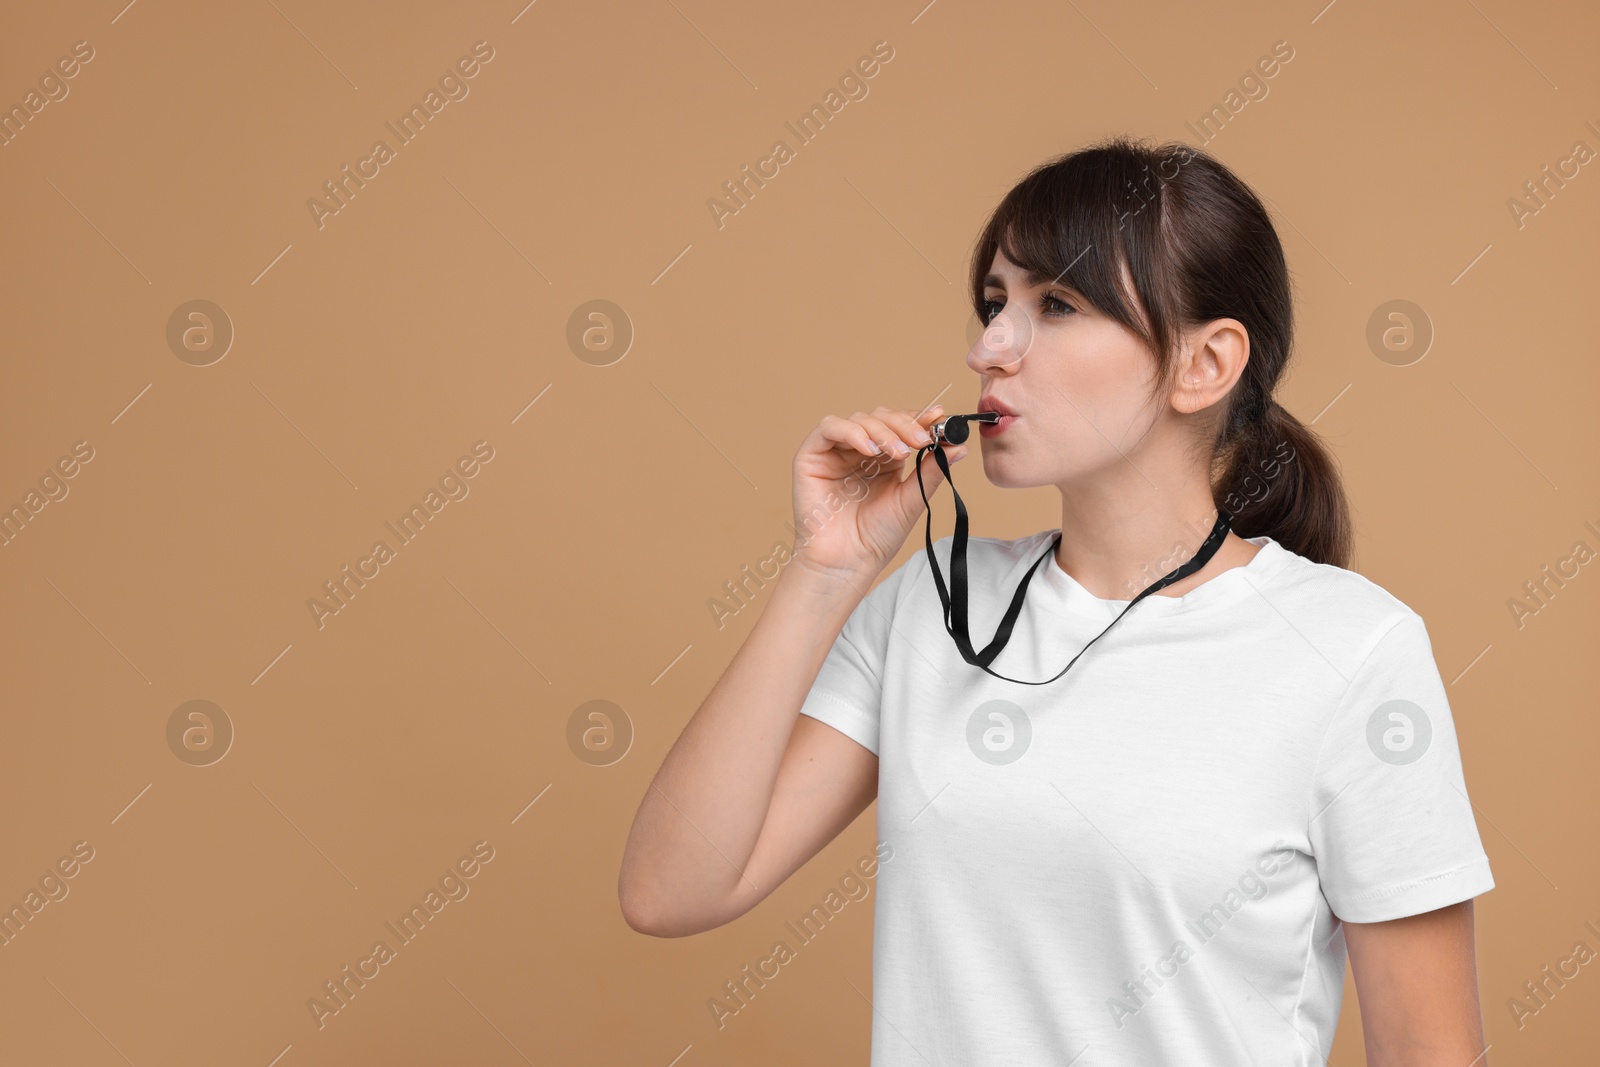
(955, 600)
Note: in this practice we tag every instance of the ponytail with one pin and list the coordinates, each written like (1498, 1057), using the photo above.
(1277, 478)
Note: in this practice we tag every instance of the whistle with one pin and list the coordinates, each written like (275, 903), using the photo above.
(954, 429)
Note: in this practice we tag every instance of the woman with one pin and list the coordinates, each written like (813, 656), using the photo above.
(1164, 854)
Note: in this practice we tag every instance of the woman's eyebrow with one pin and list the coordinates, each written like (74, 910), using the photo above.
(1033, 278)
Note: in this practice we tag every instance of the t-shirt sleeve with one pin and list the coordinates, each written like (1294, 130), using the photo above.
(1391, 827)
(848, 691)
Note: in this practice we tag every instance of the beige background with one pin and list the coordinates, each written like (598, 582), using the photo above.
(371, 353)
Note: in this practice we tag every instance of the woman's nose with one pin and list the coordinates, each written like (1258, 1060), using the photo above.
(1002, 344)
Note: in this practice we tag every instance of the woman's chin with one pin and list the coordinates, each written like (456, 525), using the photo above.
(1004, 472)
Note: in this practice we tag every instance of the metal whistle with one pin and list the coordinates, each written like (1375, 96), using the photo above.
(954, 428)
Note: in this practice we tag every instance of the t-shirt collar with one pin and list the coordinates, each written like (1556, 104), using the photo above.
(1059, 591)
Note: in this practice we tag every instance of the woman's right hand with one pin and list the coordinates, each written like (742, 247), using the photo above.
(837, 467)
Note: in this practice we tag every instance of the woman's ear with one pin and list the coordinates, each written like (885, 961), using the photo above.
(1210, 363)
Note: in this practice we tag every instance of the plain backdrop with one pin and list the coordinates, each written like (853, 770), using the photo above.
(346, 363)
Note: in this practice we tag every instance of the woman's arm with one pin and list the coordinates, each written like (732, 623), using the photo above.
(748, 794)
(1417, 983)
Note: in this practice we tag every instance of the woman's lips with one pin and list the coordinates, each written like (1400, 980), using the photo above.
(986, 429)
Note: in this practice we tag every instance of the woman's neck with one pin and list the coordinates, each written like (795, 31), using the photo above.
(1117, 541)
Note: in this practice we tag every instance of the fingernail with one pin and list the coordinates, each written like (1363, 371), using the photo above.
(959, 456)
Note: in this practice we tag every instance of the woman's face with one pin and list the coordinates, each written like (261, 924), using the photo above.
(1079, 382)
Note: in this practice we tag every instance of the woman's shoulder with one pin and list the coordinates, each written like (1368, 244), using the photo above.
(997, 550)
(993, 558)
(1339, 613)
(986, 556)
(1336, 587)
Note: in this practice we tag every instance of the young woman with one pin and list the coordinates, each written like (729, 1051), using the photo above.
(1164, 854)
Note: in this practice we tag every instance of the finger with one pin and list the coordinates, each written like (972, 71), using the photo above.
(888, 439)
(842, 433)
(908, 425)
(930, 415)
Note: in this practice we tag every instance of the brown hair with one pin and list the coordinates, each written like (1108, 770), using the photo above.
(1198, 246)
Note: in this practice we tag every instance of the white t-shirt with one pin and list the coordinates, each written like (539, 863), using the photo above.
(1145, 861)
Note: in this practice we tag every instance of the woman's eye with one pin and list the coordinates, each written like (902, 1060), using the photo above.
(1050, 305)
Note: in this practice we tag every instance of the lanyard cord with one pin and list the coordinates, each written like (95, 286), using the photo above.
(955, 600)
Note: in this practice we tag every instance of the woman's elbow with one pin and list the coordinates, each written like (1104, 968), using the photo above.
(640, 914)
(646, 912)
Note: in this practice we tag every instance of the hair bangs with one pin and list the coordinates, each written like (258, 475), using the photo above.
(1064, 224)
